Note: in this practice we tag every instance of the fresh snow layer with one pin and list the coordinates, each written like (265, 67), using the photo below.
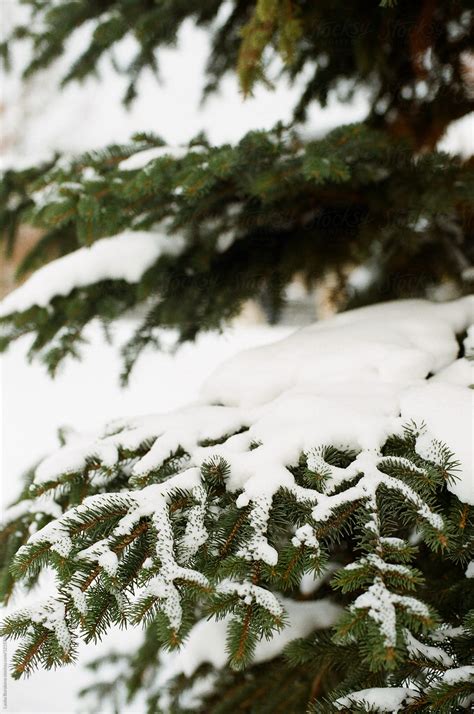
(125, 256)
(380, 699)
(435, 654)
(142, 158)
(460, 372)
(350, 381)
(458, 674)
(184, 427)
(447, 411)
(388, 344)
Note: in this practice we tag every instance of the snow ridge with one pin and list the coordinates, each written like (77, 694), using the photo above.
(125, 256)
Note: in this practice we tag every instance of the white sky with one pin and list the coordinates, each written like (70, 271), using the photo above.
(39, 116)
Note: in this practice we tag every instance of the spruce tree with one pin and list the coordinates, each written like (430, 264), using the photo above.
(301, 538)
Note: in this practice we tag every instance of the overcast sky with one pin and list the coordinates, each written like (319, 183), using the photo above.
(40, 117)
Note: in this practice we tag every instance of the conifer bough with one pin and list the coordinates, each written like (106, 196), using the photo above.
(310, 518)
(228, 224)
(289, 527)
(279, 203)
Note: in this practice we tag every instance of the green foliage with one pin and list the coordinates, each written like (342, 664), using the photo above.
(380, 46)
(274, 206)
(290, 208)
(145, 548)
(367, 538)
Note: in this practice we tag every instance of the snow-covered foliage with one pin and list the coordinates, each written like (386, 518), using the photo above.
(125, 256)
(380, 699)
(207, 639)
(218, 509)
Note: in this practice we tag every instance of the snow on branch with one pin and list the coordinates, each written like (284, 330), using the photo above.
(232, 500)
(379, 699)
(125, 256)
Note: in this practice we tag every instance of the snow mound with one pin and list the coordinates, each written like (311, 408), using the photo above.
(349, 382)
(391, 343)
(352, 380)
(458, 674)
(447, 411)
(380, 699)
(125, 256)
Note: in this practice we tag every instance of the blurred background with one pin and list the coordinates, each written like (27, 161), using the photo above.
(38, 118)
